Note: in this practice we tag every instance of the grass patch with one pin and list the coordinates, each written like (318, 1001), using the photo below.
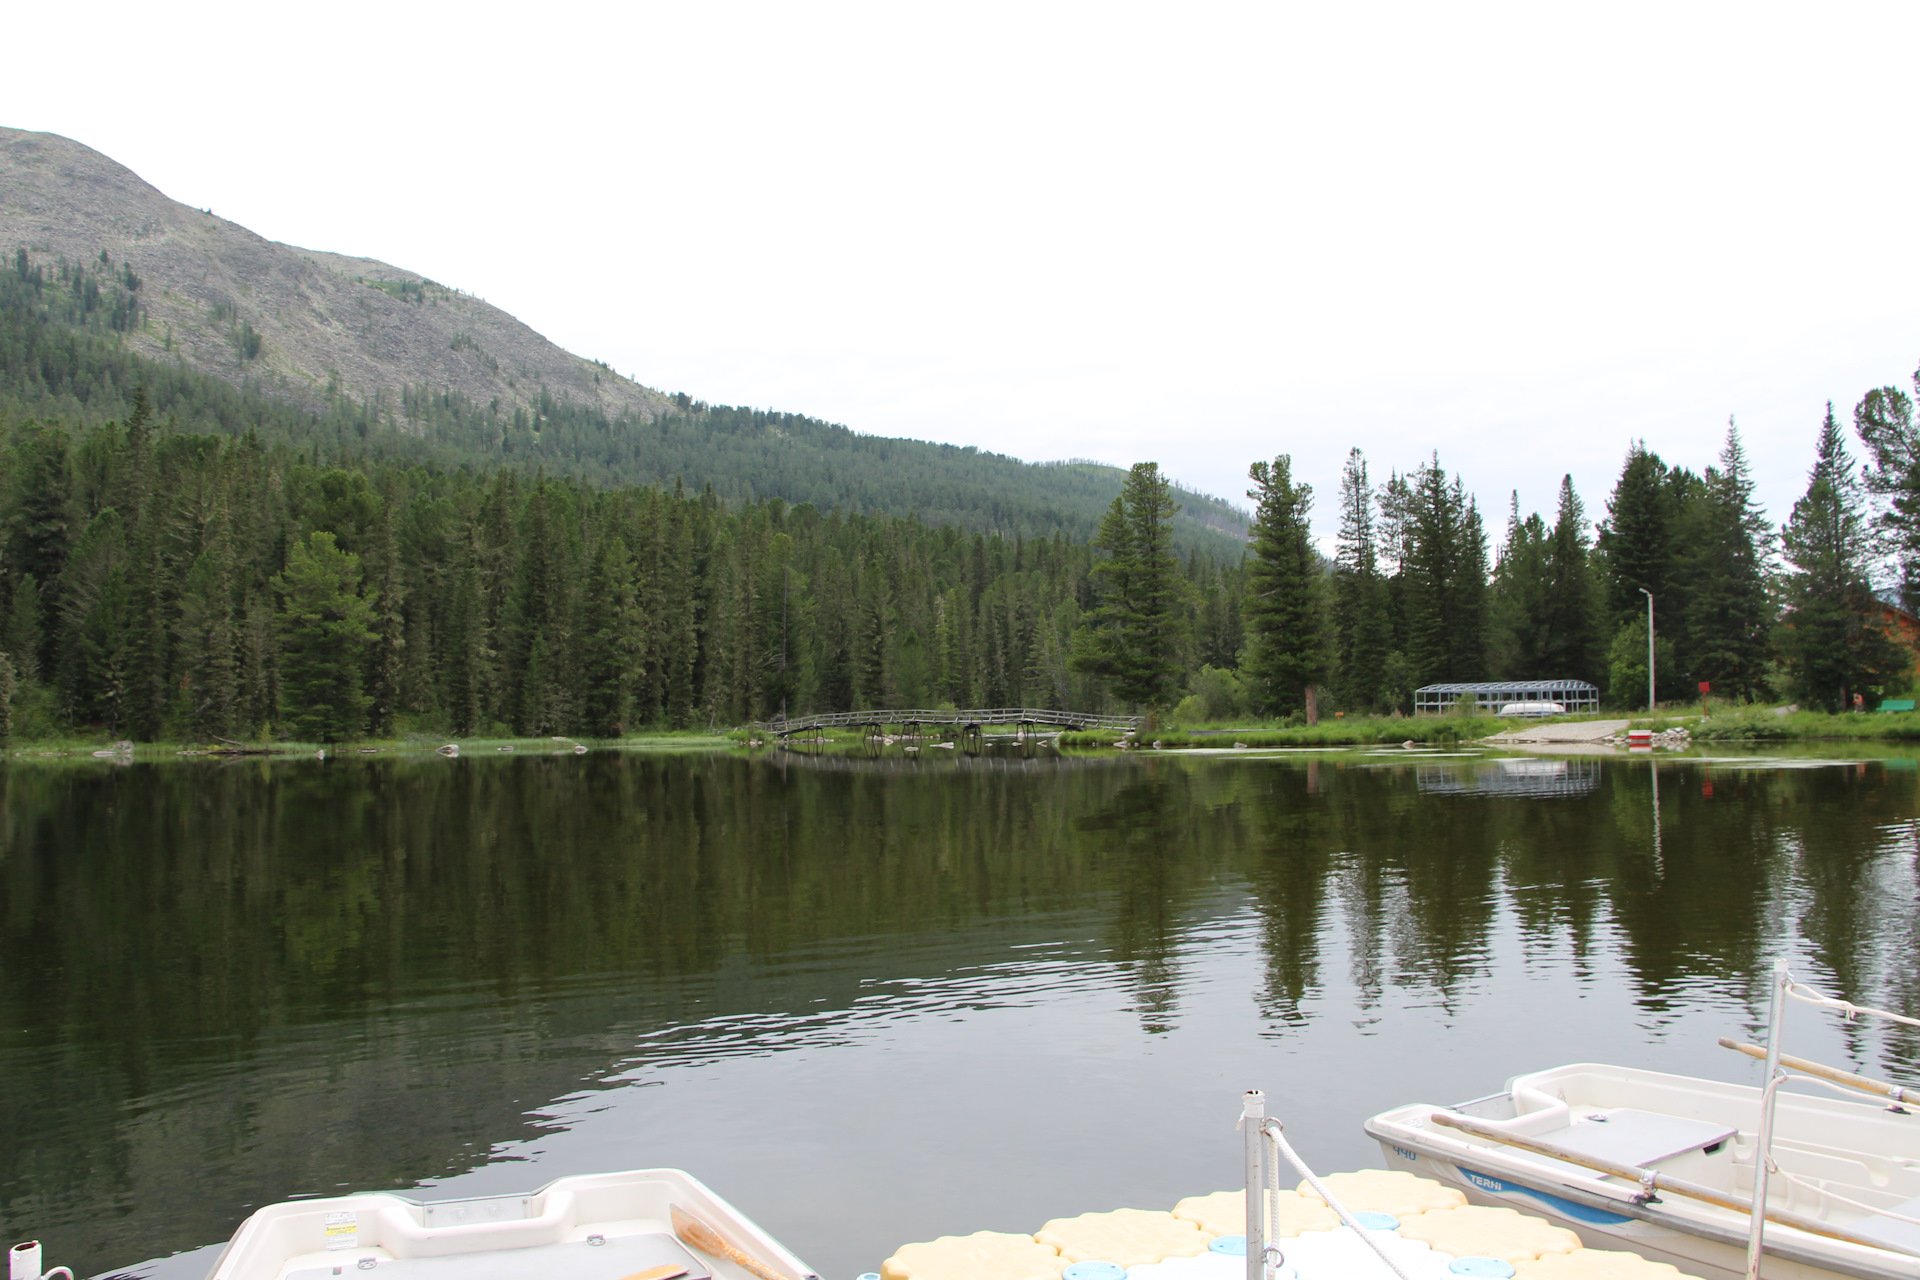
(1354, 731)
(70, 747)
(1762, 724)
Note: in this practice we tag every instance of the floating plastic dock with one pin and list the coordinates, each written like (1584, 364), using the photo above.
(1429, 1230)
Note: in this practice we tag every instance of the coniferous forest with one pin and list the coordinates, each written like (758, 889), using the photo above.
(184, 559)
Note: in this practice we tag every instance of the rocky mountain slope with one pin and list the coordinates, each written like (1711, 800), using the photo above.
(107, 284)
(295, 322)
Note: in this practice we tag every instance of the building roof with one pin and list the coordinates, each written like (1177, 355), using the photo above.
(1507, 686)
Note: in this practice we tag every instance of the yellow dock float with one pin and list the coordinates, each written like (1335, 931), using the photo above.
(1428, 1232)
(1370, 1225)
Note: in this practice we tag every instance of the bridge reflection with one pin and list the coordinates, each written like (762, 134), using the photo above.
(970, 721)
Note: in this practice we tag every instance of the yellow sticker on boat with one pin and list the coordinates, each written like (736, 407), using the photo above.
(342, 1230)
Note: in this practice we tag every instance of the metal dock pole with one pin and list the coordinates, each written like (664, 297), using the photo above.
(1253, 1121)
(1763, 1141)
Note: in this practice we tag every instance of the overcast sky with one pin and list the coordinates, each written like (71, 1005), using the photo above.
(1519, 235)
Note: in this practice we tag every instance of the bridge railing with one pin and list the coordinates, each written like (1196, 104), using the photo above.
(970, 718)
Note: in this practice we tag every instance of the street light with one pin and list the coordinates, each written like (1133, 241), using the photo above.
(1649, 595)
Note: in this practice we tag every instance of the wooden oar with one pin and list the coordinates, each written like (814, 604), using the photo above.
(693, 1231)
(1651, 1179)
(1894, 1093)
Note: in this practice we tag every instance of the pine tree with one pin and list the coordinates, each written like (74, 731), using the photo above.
(783, 632)
(1641, 549)
(325, 631)
(1884, 420)
(540, 632)
(467, 654)
(25, 628)
(1730, 615)
(1444, 591)
(1467, 651)
(1835, 643)
(1362, 628)
(205, 641)
(259, 664)
(1638, 539)
(1522, 640)
(684, 553)
(1132, 637)
(39, 517)
(1572, 650)
(612, 643)
(96, 656)
(390, 629)
(872, 616)
(1287, 649)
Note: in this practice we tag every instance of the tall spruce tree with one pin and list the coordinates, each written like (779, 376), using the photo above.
(1884, 419)
(1835, 642)
(387, 661)
(612, 641)
(1468, 634)
(1639, 550)
(206, 640)
(1132, 637)
(96, 610)
(1572, 640)
(39, 520)
(326, 632)
(24, 628)
(1730, 616)
(1443, 590)
(1522, 639)
(1637, 540)
(1284, 614)
(1362, 627)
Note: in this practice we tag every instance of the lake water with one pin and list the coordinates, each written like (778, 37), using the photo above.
(875, 1000)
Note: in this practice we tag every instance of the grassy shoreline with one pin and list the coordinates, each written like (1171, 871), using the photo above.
(1733, 725)
(82, 748)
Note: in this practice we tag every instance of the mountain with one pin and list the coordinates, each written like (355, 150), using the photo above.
(114, 285)
(322, 324)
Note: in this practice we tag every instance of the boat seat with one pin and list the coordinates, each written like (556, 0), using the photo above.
(1885, 1229)
(619, 1256)
(1642, 1139)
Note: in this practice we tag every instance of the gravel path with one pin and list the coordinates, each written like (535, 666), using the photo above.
(1588, 731)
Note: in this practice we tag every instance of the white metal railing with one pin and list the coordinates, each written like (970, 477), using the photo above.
(1785, 988)
(1266, 1145)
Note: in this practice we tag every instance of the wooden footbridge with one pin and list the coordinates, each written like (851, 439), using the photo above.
(972, 722)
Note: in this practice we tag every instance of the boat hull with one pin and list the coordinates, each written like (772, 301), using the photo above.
(1697, 1134)
(1601, 1224)
(592, 1227)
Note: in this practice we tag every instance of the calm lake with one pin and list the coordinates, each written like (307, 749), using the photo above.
(873, 1001)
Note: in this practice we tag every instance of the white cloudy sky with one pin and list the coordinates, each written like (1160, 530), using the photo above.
(1522, 235)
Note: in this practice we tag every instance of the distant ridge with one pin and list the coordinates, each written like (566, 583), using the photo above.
(379, 357)
(326, 324)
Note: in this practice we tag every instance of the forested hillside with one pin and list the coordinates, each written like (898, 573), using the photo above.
(169, 584)
(113, 284)
(63, 356)
(157, 583)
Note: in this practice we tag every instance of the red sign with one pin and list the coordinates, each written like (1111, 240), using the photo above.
(1705, 687)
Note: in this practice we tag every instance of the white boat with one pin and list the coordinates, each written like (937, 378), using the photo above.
(1664, 1165)
(648, 1224)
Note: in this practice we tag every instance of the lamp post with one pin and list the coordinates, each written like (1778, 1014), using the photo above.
(1649, 595)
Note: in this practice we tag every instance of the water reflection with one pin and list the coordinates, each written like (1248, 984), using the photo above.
(1540, 778)
(226, 985)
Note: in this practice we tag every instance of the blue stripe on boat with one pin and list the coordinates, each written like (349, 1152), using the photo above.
(1567, 1208)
